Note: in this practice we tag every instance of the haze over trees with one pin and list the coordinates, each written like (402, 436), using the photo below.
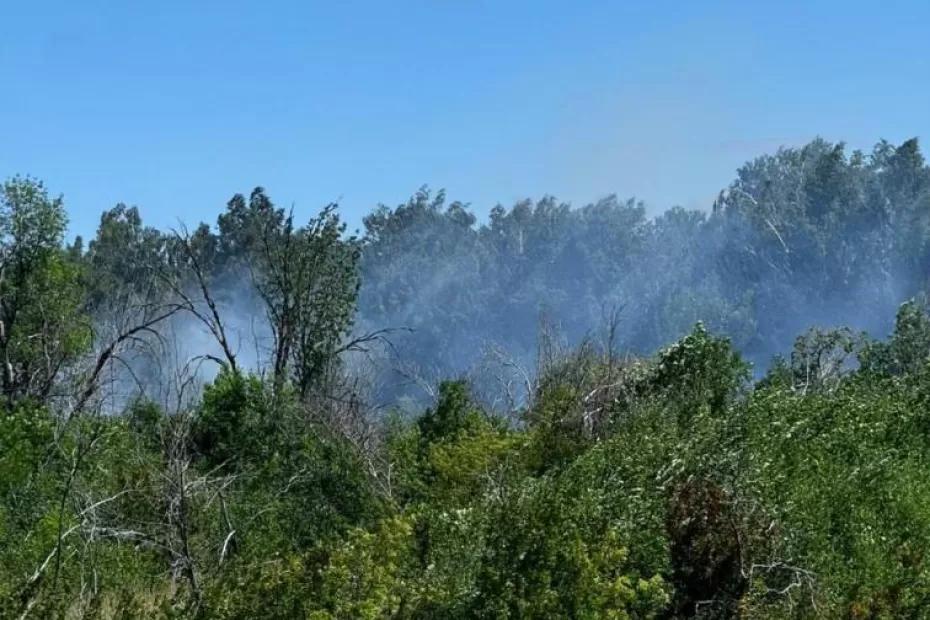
(809, 236)
(556, 412)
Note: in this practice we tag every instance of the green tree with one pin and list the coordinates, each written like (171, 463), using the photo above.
(42, 326)
(307, 279)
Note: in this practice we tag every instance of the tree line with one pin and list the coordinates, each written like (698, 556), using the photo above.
(806, 236)
(692, 415)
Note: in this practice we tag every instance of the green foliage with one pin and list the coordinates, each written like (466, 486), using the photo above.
(908, 349)
(124, 260)
(42, 326)
(305, 276)
(634, 486)
(365, 576)
(558, 435)
(301, 485)
(700, 370)
(550, 551)
(452, 452)
(27, 485)
(234, 424)
(809, 235)
(838, 476)
(820, 360)
(453, 414)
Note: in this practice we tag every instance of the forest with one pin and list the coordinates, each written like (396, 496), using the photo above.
(549, 411)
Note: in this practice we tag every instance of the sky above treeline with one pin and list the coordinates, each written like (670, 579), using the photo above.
(175, 106)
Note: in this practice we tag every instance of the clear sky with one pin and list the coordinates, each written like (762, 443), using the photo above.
(175, 106)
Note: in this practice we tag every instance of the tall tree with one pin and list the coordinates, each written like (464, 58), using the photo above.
(307, 278)
(42, 326)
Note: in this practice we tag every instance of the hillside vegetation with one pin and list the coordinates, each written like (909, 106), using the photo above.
(559, 412)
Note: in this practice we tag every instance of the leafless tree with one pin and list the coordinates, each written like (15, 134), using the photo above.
(188, 272)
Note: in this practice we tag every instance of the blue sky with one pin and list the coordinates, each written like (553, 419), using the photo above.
(175, 106)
